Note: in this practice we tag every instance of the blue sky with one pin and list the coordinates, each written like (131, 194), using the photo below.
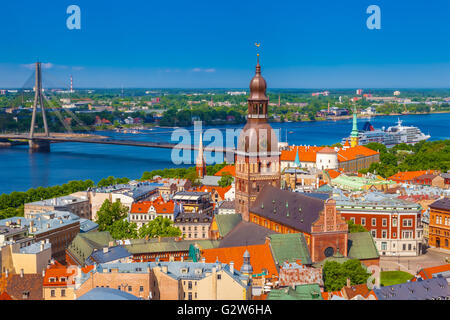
(208, 43)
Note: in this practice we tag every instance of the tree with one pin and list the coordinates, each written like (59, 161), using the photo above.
(335, 275)
(193, 177)
(353, 227)
(159, 227)
(122, 229)
(226, 180)
(109, 213)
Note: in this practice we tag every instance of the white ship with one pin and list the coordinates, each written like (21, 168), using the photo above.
(391, 136)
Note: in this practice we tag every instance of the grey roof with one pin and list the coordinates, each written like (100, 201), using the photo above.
(443, 203)
(34, 248)
(175, 269)
(44, 222)
(292, 209)
(210, 180)
(245, 233)
(431, 289)
(319, 195)
(87, 225)
(227, 205)
(60, 201)
(113, 254)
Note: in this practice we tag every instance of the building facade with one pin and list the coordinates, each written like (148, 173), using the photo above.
(395, 224)
(439, 227)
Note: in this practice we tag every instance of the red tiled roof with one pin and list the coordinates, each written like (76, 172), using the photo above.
(161, 207)
(231, 169)
(308, 153)
(354, 153)
(260, 257)
(221, 191)
(427, 273)
(406, 175)
(333, 173)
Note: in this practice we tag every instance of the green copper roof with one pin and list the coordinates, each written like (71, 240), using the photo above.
(362, 246)
(169, 246)
(355, 124)
(357, 183)
(84, 244)
(289, 247)
(227, 222)
(297, 160)
(301, 292)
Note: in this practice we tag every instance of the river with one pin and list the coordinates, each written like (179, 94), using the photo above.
(21, 170)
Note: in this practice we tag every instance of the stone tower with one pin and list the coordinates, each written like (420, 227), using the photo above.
(258, 155)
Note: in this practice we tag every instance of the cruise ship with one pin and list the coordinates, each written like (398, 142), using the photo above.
(391, 136)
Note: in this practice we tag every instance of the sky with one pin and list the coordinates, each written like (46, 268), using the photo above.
(211, 44)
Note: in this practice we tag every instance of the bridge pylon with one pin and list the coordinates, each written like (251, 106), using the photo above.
(38, 100)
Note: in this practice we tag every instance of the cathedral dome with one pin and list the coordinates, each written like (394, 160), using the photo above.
(258, 137)
(258, 86)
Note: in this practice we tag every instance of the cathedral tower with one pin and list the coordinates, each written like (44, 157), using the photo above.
(258, 155)
(354, 135)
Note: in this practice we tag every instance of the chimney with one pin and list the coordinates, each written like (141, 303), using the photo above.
(203, 260)
(105, 250)
(21, 273)
(111, 244)
(232, 267)
(6, 273)
(19, 221)
(348, 283)
(181, 258)
(42, 247)
(43, 273)
(164, 269)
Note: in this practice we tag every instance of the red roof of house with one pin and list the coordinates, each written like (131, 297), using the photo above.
(333, 173)
(404, 176)
(308, 153)
(221, 191)
(161, 207)
(260, 257)
(427, 273)
(231, 169)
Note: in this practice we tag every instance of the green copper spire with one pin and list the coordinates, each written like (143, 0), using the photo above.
(297, 160)
(355, 124)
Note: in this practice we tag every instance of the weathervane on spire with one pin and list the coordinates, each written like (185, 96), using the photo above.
(257, 45)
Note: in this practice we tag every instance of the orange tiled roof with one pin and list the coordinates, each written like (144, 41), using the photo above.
(355, 290)
(5, 296)
(221, 191)
(333, 173)
(160, 206)
(260, 257)
(57, 271)
(308, 153)
(231, 169)
(406, 175)
(305, 153)
(427, 273)
(354, 153)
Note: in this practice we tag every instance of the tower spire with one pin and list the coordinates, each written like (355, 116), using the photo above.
(200, 165)
(354, 133)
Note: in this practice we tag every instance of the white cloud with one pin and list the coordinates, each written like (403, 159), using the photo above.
(204, 70)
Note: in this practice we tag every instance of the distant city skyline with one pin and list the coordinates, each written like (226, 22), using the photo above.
(176, 44)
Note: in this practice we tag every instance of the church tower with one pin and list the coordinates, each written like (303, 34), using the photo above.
(258, 155)
(354, 135)
(200, 164)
